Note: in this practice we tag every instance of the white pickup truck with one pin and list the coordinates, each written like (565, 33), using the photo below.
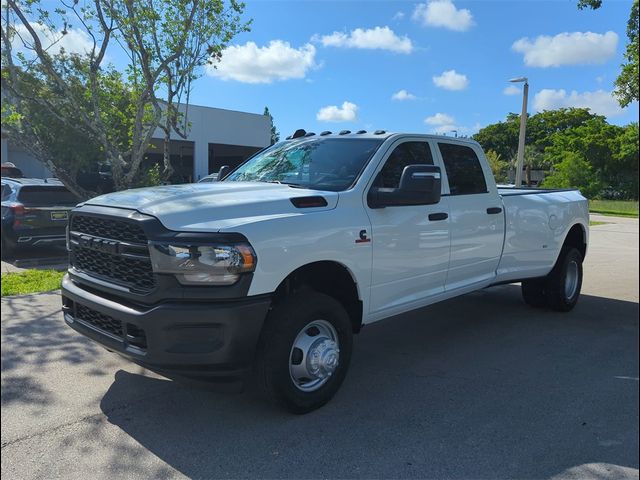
(270, 271)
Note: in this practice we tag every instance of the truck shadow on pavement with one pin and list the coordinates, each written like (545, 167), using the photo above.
(476, 387)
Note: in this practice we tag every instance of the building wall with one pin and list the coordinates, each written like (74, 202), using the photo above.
(31, 168)
(218, 126)
(207, 126)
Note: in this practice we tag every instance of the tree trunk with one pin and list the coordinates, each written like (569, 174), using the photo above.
(166, 155)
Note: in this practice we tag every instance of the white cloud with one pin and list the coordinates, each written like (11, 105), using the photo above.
(444, 124)
(512, 90)
(332, 113)
(451, 80)
(249, 63)
(403, 95)
(398, 16)
(443, 13)
(577, 48)
(377, 38)
(600, 101)
(439, 119)
(53, 41)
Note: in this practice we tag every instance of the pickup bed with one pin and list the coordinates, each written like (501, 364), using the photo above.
(268, 273)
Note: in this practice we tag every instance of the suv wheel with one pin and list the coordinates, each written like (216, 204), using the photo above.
(304, 351)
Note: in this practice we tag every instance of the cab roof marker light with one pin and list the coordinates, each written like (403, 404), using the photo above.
(301, 132)
(360, 132)
(325, 133)
(345, 132)
(379, 132)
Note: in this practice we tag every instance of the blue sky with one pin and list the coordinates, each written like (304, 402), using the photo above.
(302, 74)
(430, 66)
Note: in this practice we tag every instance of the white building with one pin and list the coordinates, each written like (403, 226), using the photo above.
(216, 137)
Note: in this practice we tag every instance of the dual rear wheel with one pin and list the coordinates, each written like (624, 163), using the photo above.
(561, 288)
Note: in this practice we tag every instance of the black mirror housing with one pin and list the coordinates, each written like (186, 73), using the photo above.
(419, 185)
(223, 172)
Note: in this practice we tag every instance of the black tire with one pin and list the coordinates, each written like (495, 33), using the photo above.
(7, 249)
(562, 293)
(284, 323)
(533, 293)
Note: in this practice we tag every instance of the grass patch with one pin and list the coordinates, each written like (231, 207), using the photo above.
(31, 281)
(620, 208)
(594, 224)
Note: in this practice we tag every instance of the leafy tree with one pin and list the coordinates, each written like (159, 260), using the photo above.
(574, 172)
(501, 137)
(275, 134)
(554, 138)
(627, 82)
(499, 167)
(113, 116)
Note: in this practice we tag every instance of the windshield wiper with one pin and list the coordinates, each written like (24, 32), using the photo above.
(292, 185)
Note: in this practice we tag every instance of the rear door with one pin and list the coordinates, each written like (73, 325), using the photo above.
(410, 243)
(477, 219)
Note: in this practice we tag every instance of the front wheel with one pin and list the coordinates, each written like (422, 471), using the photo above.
(304, 351)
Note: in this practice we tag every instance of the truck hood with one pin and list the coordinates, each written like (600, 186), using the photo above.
(214, 206)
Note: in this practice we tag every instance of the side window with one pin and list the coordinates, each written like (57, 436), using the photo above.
(463, 169)
(408, 153)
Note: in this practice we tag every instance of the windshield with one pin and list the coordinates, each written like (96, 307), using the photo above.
(317, 163)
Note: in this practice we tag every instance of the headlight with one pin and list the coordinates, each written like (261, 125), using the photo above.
(203, 264)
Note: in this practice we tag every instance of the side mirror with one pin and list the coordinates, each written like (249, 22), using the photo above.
(419, 185)
(223, 172)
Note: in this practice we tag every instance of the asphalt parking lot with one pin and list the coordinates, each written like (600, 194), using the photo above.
(476, 387)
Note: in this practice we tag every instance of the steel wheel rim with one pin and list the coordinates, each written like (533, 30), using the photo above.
(571, 280)
(314, 356)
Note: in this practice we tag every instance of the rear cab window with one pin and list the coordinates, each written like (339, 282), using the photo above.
(463, 168)
(41, 196)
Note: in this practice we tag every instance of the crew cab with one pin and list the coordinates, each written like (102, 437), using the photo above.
(265, 275)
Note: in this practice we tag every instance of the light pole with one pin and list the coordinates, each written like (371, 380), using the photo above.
(523, 128)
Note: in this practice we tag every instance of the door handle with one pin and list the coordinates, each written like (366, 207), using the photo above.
(434, 217)
(494, 210)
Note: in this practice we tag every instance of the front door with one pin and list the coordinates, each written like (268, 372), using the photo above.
(410, 243)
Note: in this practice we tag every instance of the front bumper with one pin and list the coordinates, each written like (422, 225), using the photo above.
(186, 339)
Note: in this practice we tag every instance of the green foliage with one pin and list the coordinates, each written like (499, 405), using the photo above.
(73, 110)
(572, 137)
(621, 208)
(152, 177)
(574, 172)
(499, 167)
(627, 82)
(31, 281)
(593, 4)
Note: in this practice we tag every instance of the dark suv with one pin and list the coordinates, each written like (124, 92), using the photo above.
(34, 213)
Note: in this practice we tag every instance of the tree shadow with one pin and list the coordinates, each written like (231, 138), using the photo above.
(476, 387)
(35, 338)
